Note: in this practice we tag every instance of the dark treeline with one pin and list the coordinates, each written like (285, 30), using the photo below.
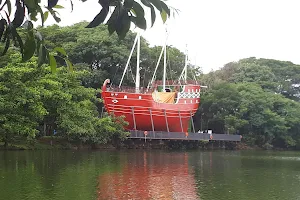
(257, 98)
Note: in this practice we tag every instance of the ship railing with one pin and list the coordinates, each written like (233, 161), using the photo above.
(129, 89)
(176, 82)
(163, 135)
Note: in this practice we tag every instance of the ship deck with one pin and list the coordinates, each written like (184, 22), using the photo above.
(160, 135)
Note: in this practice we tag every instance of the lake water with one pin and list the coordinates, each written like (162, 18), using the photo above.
(138, 174)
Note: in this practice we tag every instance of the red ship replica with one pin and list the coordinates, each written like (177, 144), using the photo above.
(162, 106)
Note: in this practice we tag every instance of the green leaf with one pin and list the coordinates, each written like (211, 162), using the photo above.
(60, 50)
(112, 22)
(146, 3)
(164, 16)
(165, 7)
(123, 25)
(2, 27)
(38, 45)
(58, 7)
(139, 22)
(138, 9)
(19, 39)
(30, 3)
(57, 19)
(111, 28)
(69, 65)
(128, 4)
(8, 3)
(6, 33)
(54, 15)
(39, 36)
(133, 12)
(104, 4)
(42, 55)
(6, 45)
(42, 15)
(33, 15)
(46, 14)
(52, 63)
(29, 46)
(153, 15)
(157, 4)
(98, 19)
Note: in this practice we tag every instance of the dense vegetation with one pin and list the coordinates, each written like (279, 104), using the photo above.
(257, 98)
(37, 102)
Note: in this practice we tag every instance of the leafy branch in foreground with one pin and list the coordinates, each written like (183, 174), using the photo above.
(14, 31)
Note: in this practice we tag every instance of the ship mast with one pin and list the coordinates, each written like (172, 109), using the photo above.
(185, 68)
(165, 64)
(137, 42)
(183, 74)
(137, 76)
(185, 65)
(128, 61)
(165, 68)
(163, 51)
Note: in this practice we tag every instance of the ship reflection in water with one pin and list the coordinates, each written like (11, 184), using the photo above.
(150, 176)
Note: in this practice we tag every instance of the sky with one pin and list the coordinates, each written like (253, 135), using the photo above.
(216, 32)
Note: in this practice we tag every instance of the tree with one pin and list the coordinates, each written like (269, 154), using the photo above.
(264, 118)
(36, 102)
(72, 109)
(124, 12)
(273, 75)
(21, 102)
(250, 72)
(220, 108)
(259, 98)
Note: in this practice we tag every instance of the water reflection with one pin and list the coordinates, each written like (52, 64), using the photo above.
(206, 175)
(53, 175)
(149, 175)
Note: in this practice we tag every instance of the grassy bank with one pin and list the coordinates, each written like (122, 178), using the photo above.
(49, 143)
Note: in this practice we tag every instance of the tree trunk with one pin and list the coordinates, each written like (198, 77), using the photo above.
(45, 129)
(6, 141)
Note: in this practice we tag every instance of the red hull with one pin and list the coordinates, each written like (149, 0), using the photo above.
(139, 108)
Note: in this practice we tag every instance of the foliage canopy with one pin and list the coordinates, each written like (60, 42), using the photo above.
(21, 32)
(257, 98)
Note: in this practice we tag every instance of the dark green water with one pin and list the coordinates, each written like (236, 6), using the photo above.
(217, 175)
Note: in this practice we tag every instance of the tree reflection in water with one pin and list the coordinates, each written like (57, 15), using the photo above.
(150, 176)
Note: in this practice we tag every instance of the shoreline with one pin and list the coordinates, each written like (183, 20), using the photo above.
(57, 143)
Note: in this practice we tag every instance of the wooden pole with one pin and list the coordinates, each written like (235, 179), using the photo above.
(132, 111)
(192, 121)
(152, 124)
(166, 121)
(180, 120)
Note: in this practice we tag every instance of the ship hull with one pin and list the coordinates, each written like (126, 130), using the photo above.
(142, 112)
